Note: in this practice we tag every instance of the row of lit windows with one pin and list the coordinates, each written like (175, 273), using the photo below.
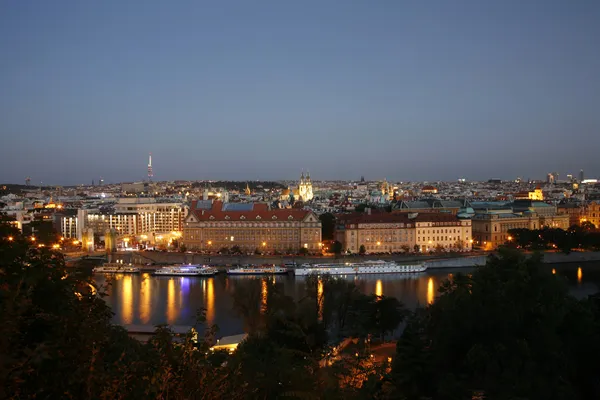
(438, 238)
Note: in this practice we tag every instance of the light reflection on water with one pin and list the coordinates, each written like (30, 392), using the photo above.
(146, 299)
(171, 306)
(127, 297)
(430, 291)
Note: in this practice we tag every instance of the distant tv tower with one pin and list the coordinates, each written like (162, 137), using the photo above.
(150, 174)
(27, 181)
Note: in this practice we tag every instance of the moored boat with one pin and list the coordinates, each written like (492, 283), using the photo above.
(186, 270)
(257, 270)
(116, 268)
(366, 267)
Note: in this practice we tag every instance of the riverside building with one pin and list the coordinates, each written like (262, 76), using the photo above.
(213, 225)
(401, 232)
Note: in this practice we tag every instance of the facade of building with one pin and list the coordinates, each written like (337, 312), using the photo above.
(142, 219)
(592, 213)
(443, 231)
(401, 232)
(560, 221)
(66, 224)
(490, 229)
(379, 232)
(574, 210)
(250, 226)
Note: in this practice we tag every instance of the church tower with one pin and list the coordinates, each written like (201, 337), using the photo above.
(305, 188)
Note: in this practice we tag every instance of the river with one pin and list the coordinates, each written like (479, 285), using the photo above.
(143, 299)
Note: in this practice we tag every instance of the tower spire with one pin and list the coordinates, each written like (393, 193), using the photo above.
(150, 174)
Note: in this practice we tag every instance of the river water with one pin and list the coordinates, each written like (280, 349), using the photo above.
(143, 299)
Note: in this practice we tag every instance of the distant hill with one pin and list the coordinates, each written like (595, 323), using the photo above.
(241, 185)
(8, 188)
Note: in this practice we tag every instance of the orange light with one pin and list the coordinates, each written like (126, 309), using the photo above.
(40, 245)
(209, 242)
(10, 238)
(55, 246)
(264, 244)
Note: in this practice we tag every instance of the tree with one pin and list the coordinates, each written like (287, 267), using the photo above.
(588, 226)
(361, 207)
(236, 250)
(508, 330)
(362, 250)
(224, 250)
(327, 225)
(337, 247)
(416, 248)
(303, 251)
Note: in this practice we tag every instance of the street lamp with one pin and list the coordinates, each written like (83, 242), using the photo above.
(10, 238)
(33, 238)
(264, 244)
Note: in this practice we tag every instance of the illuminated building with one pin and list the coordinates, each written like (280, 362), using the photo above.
(537, 194)
(140, 217)
(429, 189)
(592, 213)
(490, 229)
(214, 225)
(304, 191)
(400, 232)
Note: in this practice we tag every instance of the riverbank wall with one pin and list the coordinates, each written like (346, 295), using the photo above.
(432, 261)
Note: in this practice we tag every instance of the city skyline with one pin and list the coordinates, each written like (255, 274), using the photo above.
(396, 90)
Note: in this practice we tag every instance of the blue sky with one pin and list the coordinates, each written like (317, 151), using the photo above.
(407, 90)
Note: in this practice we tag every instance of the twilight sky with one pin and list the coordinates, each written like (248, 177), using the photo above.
(406, 90)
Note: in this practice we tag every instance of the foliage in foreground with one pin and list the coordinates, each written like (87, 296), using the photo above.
(508, 331)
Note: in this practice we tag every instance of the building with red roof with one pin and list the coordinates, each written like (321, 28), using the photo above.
(212, 225)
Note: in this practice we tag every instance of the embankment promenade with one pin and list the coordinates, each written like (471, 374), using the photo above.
(432, 261)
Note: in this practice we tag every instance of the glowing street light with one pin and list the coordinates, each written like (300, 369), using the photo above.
(378, 243)
(10, 238)
(264, 244)
(33, 238)
(56, 246)
(210, 242)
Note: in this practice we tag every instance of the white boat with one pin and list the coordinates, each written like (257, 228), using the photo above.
(257, 270)
(366, 267)
(116, 268)
(186, 270)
